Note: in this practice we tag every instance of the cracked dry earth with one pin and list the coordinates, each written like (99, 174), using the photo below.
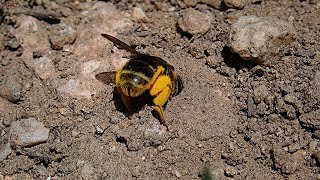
(240, 119)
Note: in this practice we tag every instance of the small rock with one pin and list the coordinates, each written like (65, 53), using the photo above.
(313, 145)
(311, 119)
(28, 132)
(191, 3)
(99, 130)
(5, 151)
(194, 22)
(78, 88)
(177, 173)
(138, 14)
(316, 134)
(43, 67)
(61, 35)
(260, 39)
(10, 88)
(236, 4)
(162, 6)
(214, 3)
(316, 156)
(230, 171)
(87, 172)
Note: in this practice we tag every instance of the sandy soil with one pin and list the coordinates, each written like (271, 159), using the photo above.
(239, 119)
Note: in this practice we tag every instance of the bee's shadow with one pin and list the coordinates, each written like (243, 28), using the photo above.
(134, 104)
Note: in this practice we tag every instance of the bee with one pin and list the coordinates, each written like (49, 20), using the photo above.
(145, 74)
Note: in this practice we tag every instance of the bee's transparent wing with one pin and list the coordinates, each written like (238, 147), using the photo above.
(120, 44)
(107, 77)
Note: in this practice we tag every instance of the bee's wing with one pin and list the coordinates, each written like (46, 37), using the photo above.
(107, 77)
(120, 44)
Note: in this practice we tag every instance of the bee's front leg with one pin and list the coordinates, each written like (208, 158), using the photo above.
(161, 90)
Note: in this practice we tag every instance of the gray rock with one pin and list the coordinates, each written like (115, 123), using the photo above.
(260, 39)
(61, 35)
(28, 132)
(10, 88)
(5, 151)
(214, 3)
(236, 4)
(194, 22)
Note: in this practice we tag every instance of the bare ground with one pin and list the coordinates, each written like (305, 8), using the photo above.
(242, 120)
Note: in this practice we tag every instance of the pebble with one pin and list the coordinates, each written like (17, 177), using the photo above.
(78, 88)
(43, 67)
(316, 156)
(236, 4)
(194, 22)
(177, 173)
(28, 132)
(191, 3)
(313, 145)
(61, 35)
(214, 3)
(316, 134)
(5, 151)
(311, 119)
(99, 130)
(260, 39)
(10, 88)
(230, 171)
(87, 172)
(138, 14)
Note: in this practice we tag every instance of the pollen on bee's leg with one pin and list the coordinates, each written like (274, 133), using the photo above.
(158, 72)
(162, 97)
(160, 85)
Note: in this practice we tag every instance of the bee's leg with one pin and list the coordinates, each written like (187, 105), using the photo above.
(158, 73)
(161, 89)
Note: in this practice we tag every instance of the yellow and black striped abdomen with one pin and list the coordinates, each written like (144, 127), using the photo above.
(134, 78)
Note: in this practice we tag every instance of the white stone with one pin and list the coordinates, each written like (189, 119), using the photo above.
(260, 39)
(28, 132)
(75, 88)
(138, 14)
(43, 67)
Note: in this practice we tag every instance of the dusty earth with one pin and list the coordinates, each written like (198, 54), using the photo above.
(240, 119)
